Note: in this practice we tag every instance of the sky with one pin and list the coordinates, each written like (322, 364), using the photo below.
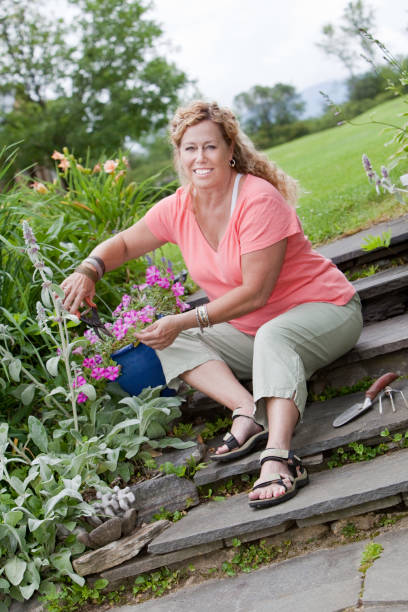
(228, 46)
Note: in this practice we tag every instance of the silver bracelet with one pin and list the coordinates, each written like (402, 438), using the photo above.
(199, 323)
(96, 263)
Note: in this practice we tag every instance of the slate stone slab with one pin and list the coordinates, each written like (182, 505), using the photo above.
(316, 433)
(168, 492)
(325, 581)
(387, 579)
(328, 491)
(148, 562)
(377, 339)
(385, 281)
(118, 551)
(349, 248)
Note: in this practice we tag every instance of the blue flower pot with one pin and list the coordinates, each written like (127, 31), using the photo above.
(140, 368)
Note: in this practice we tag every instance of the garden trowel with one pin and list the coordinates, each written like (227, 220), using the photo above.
(357, 409)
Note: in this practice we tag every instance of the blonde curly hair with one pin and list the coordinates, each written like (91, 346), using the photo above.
(247, 159)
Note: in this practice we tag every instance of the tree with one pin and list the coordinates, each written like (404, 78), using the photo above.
(262, 107)
(346, 42)
(92, 86)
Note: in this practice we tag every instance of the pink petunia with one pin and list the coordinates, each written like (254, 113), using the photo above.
(78, 350)
(163, 282)
(78, 382)
(89, 362)
(91, 336)
(111, 372)
(81, 398)
(98, 373)
(152, 275)
(177, 289)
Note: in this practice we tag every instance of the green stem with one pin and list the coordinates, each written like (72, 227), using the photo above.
(19, 452)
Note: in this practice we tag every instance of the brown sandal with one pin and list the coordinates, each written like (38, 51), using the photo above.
(249, 445)
(298, 479)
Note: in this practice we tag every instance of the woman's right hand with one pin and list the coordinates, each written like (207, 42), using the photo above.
(77, 287)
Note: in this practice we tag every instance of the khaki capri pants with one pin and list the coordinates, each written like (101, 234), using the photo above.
(283, 355)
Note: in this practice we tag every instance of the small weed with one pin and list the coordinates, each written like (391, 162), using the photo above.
(169, 516)
(188, 470)
(183, 430)
(371, 552)
(72, 596)
(362, 272)
(157, 583)
(212, 429)
(331, 392)
(397, 438)
(354, 452)
(374, 242)
(249, 557)
(349, 530)
(384, 521)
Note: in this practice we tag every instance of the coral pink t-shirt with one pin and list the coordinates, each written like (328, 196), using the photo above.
(261, 218)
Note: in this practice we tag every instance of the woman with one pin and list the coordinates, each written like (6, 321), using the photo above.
(277, 310)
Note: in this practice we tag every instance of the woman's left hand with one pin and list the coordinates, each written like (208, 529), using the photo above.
(161, 333)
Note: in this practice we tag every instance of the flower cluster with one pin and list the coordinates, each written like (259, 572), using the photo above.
(384, 181)
(159, 295)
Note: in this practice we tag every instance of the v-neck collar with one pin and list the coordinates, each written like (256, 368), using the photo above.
(234, 199)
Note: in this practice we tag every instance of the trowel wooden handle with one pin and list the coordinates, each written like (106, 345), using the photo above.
(380, 383)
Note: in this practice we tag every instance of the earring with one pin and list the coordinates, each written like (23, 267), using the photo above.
(232, 162)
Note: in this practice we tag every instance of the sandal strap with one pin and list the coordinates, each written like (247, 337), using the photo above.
(275, 479)
(236, 414)
(283, 456)
(231, 441)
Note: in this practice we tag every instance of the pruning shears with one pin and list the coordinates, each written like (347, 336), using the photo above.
(93, 319)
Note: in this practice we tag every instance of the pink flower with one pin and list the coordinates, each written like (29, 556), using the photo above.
(98, 358)
(177, 289)
(98, 373)
(57, 155)
(89, 362)
(78, 350)
(111, 372)
(64, 164)
(182, 305)
(110, 166)
(152, 275)
(91, 336)
(163, 282)
(96, 168)
(39, 187)
(81, 398)
(78, 382)
(126, 299)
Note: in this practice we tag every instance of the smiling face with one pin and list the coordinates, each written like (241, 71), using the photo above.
(204, 155)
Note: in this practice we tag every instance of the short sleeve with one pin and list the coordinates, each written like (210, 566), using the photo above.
(160, 218)
(265, 220)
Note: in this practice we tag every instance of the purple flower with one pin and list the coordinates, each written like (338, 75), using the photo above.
(384, 172)
(98, 358)
(81, 398)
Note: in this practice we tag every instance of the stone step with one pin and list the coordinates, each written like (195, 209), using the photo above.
(317, 434)
(347, 252)
(383, 295)
(381, 347)
(346, 487)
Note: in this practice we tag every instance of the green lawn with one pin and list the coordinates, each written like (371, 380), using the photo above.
(336, 196)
